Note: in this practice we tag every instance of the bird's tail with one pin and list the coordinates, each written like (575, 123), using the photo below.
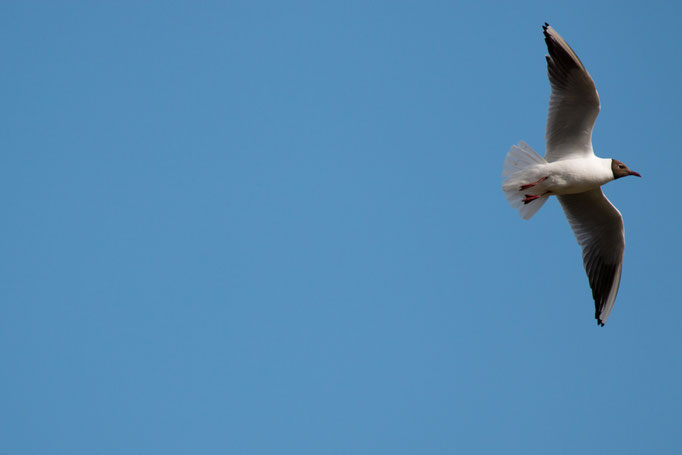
(519, 160)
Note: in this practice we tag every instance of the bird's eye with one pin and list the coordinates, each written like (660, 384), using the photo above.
(621, 166)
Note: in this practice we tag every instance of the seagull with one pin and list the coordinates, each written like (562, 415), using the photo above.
(573, 173)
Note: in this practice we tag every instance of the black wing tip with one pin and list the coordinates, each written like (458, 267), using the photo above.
(548, 38)
(597, 316)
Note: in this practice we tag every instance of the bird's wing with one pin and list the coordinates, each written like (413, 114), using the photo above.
(598, 226)
(573, 104)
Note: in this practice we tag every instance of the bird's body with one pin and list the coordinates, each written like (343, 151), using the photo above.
(571, 171)
(564, 177)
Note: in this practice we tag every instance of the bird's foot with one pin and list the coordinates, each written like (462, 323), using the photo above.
(531, 185)
(530, 198)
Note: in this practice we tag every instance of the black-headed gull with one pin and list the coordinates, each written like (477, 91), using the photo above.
(572, 172)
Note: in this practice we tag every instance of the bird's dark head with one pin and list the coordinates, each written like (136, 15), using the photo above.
(619, 170)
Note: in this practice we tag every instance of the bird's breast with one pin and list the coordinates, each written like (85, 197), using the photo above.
(577, 176)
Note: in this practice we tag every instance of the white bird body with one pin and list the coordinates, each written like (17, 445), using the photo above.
(572, 172)
(564, 177)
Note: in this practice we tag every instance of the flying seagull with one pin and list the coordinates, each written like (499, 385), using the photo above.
(571, 172)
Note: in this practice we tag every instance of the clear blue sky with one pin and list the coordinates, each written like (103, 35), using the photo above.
(278, 227)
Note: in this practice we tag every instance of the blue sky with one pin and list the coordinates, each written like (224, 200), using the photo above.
(278, 227)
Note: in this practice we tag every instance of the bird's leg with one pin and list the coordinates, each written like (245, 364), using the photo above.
(530, 198)
(531, 185)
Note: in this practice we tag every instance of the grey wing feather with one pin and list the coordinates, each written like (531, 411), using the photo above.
(573, 104)
(598, 227)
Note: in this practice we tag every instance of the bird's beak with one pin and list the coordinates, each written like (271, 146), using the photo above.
(634, 173)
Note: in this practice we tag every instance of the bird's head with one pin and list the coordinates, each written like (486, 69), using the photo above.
(619, 170)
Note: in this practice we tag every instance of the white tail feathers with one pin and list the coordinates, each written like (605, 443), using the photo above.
(517, 168)
(519, 158)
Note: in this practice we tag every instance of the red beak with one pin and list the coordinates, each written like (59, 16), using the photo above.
(634, 173)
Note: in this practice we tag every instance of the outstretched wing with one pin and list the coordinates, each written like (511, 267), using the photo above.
(598, 226)
(573, 105)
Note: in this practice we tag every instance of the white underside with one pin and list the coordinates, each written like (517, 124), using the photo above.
(523, 166)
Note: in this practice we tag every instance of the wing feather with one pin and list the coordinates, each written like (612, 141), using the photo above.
(573, 104)
(598, 227)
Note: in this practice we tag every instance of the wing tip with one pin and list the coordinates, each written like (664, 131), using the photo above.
(546, 29)
(598, 317)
